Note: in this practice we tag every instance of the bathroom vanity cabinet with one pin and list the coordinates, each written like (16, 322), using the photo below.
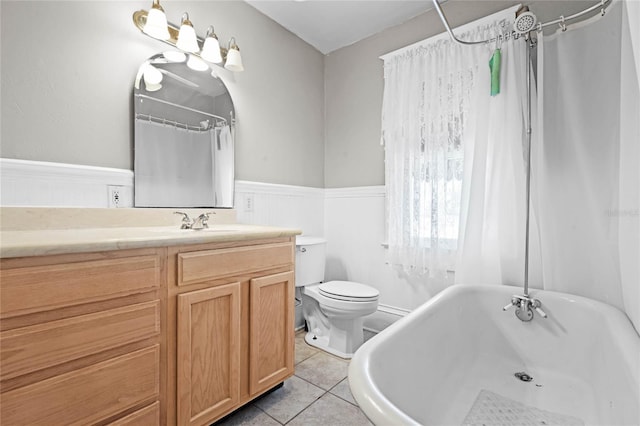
(233, 338)
(175, 335)
(80, 338)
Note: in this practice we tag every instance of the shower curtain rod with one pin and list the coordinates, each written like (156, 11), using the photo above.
(138, 95)
(562, 20)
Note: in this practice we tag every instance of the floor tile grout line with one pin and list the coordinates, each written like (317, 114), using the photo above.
(305, 408)
(328, 355)
(336, 385)
(311, 383)
(303, 360)
(269, 415)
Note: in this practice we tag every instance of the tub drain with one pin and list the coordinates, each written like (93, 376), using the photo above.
(523, 376)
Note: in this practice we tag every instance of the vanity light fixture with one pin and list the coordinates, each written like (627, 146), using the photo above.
(211, 47)
(185, 38)
(156, 23)
(234, 60)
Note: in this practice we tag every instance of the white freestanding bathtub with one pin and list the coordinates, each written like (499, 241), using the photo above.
(454, 361)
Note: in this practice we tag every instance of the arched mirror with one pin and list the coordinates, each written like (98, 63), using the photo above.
(184, 129)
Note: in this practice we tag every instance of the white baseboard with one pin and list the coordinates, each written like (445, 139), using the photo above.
(392, 310)
(383, 318)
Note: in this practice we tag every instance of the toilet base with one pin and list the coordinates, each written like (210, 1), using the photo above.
(339, 342)
(322, 342)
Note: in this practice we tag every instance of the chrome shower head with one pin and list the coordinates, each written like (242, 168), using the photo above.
(525, 22)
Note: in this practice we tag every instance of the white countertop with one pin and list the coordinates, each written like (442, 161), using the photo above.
(20, 243)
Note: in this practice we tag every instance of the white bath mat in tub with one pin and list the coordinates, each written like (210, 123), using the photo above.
(491, 409)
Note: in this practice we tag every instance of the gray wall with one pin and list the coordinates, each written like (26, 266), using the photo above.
(68, 71)
(304, 119)
(354, 84)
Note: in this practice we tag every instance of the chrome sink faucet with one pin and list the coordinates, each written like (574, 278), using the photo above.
(201, 222)
(525, 306)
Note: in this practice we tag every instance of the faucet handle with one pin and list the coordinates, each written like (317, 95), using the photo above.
(535, 304)
(204, 217)
(186, 221)
(514, 302)
(201, 221)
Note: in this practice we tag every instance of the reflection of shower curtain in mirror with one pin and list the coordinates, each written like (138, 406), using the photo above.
(165, 170)
(223, 167)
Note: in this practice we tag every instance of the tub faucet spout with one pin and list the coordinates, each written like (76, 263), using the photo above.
(525, 306)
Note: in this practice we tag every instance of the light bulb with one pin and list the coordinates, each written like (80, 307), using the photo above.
(174, 56)
(234, 60)
(187, 39)
(197, 64)
(152, 75)
(156, 25)
(211, 48)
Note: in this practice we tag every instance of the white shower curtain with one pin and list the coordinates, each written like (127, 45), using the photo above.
(492, 219)
(427, 106)
(586, 179)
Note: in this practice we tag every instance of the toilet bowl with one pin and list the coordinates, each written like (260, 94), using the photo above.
(334, 311)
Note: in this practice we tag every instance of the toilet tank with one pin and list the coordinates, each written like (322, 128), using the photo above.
(310, 260)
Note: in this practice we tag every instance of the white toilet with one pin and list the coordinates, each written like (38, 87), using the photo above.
(333, 310)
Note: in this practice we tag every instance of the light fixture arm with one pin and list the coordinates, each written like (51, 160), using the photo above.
(185, 20)
(210, 32)
(140, 19)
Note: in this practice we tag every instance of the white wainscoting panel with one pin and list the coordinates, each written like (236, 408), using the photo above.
(281, 205)
(45, 184)
(355, 231)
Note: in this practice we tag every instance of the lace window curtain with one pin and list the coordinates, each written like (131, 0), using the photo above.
(426, 103)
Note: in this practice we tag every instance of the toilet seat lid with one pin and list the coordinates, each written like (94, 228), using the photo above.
(348, 290)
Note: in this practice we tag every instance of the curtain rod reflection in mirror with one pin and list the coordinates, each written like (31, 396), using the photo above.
(217, 117)
(206, 126)
(154, 24)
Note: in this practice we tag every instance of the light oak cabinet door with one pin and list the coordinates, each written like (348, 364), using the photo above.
(271, 324)
(208, 380)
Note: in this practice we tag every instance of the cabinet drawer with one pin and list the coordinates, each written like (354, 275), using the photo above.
(147, 416)
(41, 288)
(213, 264)
(33, 348)
(87, 395)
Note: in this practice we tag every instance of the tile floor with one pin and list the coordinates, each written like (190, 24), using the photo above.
(318, 394)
